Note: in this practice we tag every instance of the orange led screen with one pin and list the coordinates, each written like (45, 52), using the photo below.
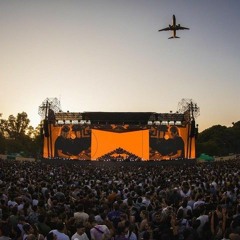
(170, 142)
(68, 141)
(162, 142)
(131, 143)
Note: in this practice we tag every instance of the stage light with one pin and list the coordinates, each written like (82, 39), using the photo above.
(178, 123)
(74, 121)
(60, 122)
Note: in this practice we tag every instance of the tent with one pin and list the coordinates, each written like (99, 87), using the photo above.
(205, 158)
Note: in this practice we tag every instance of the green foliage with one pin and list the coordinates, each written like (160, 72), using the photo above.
(16, 126)
(2, 144)
(17, 136)
(219, 140)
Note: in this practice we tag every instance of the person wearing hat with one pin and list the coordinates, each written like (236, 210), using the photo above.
(61, 143)
(176, 144)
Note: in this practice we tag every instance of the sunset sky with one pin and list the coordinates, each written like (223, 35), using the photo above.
(107, 55)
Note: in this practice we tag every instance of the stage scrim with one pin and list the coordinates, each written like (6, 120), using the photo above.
(110, 143)
(119, 136)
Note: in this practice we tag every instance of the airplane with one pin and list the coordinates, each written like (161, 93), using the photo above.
(174, 27)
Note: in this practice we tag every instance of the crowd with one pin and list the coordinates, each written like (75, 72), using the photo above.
(63, 200)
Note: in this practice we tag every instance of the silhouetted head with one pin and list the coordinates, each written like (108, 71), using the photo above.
(65, 128)
(174, 131)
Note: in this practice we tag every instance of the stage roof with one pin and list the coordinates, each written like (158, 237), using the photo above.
(118, 117)
(134, 118)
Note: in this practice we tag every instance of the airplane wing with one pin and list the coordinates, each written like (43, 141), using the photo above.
(165, 29)
(181, 28)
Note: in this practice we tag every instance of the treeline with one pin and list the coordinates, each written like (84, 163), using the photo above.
(18, 136)
(219, 140)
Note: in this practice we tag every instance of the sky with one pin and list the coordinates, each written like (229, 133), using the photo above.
(108, 56)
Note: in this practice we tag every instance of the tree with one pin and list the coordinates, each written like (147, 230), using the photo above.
(219, 140)
(37, 141)
(2, 137)
(234, 133)
(16, 136)
(2, 144)
(16, 126)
